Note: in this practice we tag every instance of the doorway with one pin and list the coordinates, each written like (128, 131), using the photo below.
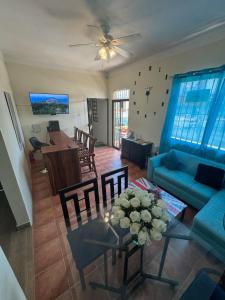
(120, 110)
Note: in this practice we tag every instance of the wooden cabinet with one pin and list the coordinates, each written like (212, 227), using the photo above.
(135, 151)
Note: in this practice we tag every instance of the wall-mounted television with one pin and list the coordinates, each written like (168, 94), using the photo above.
(49, 104)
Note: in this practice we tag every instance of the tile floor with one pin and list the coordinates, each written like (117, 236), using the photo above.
(56, 276)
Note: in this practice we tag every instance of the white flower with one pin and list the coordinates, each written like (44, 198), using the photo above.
(123, 195)
(115, 221)
(159, 225)
(142, 237)
(129, 192)
(146, 201)
(146, 216)
(161, 203)
(117, 201)
(115, 208)
(165, 217)
(125, 222)
(157, 211)
(135, 202)
(119, 214)
(141, 194)
(125, 203)
(134, 228)
(155, 235)
(135, 216)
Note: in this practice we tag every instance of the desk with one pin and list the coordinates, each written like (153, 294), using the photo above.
(62, 161)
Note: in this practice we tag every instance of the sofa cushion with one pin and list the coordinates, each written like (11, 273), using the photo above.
(170, 161)
(210, 176)
(176, 177)
(186, 182)
(202, 191)
(209, 220)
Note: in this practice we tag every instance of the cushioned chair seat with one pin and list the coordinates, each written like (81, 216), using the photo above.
(209, 221)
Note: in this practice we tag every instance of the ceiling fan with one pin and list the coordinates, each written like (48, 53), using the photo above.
(108, 46)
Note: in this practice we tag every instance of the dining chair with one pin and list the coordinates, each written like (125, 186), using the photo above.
(79, 136)
(75, 134)
(117, 180)
(87, 157)
(117, 177)
(85, 253)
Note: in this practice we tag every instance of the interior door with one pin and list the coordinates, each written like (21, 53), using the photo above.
(120, 121)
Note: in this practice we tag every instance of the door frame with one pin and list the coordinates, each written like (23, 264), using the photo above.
(114, 101)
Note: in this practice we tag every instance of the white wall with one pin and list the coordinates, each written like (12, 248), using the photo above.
(14, 171)
(210, 55)
(79, 85)
(9, 286)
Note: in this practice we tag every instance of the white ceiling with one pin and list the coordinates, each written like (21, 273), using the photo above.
(39, 31)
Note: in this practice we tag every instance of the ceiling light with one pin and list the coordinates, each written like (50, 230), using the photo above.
(103, 53)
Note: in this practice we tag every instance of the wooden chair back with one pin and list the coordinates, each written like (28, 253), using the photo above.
(75, 133)
(85, 139)
(92, 142)
(120, 180)
(79, 135)
(71, 194)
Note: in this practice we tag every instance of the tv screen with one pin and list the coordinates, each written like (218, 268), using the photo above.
(49, 104)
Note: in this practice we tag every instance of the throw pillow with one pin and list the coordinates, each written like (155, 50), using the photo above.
(210, 176)
(170, 161)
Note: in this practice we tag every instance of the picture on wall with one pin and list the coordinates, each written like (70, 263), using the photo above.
(14, 119)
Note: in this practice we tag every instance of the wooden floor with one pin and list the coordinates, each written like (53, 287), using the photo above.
(18, 248)
(56, 276)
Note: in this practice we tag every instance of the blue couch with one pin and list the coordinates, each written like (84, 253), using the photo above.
(208, 222)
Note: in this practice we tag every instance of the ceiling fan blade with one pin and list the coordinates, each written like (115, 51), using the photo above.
(122, 52)
(126, 39)
(80, 45)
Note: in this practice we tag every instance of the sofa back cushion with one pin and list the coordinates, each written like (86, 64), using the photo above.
(170, 161)
(188, 163)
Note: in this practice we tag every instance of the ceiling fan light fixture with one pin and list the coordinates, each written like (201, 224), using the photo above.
(103, 53)
(112, 53)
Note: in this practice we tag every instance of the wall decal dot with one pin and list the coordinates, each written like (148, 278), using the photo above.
(138, 112)
(135, 82)
(159, 69)
(166, 76)
(145, 116)
(133, 92)
(162, 104)
(134, 102)
(150, 68)
(139, 74)
(167, 91)
(154, 113)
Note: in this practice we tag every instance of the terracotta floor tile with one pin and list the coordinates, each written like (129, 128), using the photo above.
(43, 217)
(42, 204)
(47, 254)
(52, 283)
(45, 233)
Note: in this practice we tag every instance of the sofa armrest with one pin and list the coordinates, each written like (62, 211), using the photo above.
(154, 162)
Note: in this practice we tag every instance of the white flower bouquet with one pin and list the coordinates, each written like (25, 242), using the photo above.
(143, 213)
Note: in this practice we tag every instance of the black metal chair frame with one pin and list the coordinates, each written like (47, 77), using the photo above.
(105, 181)
(64, 198)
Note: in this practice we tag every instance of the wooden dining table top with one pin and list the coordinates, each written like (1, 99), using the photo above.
(60, 142)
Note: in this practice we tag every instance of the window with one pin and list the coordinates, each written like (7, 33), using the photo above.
(121, 94)
(196, 112)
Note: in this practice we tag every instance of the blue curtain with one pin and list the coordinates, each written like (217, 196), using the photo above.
(195, 119)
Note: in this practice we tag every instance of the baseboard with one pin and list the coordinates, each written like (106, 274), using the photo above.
(20, 227)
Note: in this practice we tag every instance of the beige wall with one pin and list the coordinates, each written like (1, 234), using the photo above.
(14, 171)
(79, 86)
(150, 128)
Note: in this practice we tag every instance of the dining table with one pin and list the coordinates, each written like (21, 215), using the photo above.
(105, 235)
